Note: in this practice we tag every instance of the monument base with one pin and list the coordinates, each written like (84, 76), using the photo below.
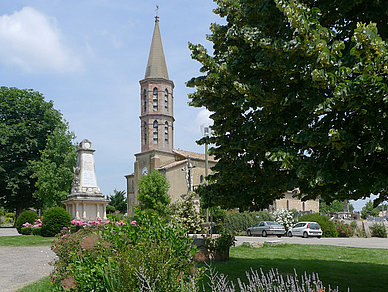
(86, 206)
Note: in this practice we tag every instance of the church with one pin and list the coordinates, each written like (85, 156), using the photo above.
(184, 170)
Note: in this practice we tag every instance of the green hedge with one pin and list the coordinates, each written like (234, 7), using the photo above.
(327, 226)
(236, 222)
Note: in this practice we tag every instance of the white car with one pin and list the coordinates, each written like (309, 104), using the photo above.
(305, 229)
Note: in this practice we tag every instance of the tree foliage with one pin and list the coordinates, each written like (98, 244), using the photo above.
(334, 206)
(153, 194)
(298, 92)
(26, 122)
(54, 170)
(369, 210)
(118, 201)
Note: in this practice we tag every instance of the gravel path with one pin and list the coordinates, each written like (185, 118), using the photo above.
(22, 265)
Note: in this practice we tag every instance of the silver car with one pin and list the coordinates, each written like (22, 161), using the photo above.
(265, 228)
(305, 229)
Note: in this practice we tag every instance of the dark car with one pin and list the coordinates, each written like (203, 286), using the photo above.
(265, 228)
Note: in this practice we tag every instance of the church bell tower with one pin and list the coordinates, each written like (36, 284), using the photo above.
(157, 101)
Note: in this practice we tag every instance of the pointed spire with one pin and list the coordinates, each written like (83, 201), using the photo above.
(156, 66)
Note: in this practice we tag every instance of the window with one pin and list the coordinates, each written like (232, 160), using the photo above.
(166, 100)
(201, 179)
(155, 99)
(145, 100)
(155, 132)
(166, 133)
(145, 133)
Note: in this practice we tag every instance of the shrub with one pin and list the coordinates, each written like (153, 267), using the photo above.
(123, 256)
(328, 227)
(36, 230)
(378, 230)
(285, 217)
(54, 220)
(187, 214)
(26, 230)
(343, 229)
(25, 216)
(236, 222)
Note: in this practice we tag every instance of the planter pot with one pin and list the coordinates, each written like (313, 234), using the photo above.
(221, 255)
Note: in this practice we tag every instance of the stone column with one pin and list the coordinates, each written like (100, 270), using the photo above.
(77, 210)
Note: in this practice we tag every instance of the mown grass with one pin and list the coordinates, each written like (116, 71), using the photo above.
(357, 268)
(25, 240)
(38, 286)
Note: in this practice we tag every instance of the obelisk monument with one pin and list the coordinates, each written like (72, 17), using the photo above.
(86, 200)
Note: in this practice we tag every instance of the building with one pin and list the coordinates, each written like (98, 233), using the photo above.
(183, 169)
(289, 202)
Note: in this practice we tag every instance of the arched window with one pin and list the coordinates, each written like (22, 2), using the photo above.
(201, 179)
(166, 133)
(145, 100)
(155, 132)
(145, 133)
(166, 99)
(155, 99)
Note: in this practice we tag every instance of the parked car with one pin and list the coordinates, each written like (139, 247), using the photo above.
(265, 228)
(305, 229)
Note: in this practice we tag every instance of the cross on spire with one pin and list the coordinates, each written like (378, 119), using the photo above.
(156, 13)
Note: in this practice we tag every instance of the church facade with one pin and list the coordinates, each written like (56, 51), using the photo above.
(184, 170)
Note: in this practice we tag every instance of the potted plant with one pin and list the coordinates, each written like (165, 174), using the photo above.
(218, 246)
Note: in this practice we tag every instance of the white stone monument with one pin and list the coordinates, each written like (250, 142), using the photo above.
(86, 200)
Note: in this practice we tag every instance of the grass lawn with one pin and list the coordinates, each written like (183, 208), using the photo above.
(357, 268)
(25, 240)
(39, 286)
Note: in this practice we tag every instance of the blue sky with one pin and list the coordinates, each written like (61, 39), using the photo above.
(88, 57)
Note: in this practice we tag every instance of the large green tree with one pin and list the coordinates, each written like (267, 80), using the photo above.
(118, 201)
(298, 91)
(152, 195)
(26, 122)
(54, 170)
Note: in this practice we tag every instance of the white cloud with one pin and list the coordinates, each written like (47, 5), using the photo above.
(31, 40)
(202, 120)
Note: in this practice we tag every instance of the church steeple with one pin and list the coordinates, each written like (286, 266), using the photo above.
(157, 100)
(156, 66)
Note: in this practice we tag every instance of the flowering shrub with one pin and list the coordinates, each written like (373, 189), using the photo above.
(25, 216)
(186, 213)
(378, 230)
(123, 256)
(343, 229)
(284, 217)
(29, 228)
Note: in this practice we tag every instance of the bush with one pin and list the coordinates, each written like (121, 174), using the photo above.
(343, 229)
(123, 256)
(236, 222)
(328, 227)
(54, 220)
(26, 230)
(36, 230)
(378, 230)
(25, 216)
(285, 217)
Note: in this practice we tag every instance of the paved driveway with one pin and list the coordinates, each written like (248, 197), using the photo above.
(350, 242)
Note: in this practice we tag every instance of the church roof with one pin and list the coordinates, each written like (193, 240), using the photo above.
(193, 155)
(156, 66)
(173, 164)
